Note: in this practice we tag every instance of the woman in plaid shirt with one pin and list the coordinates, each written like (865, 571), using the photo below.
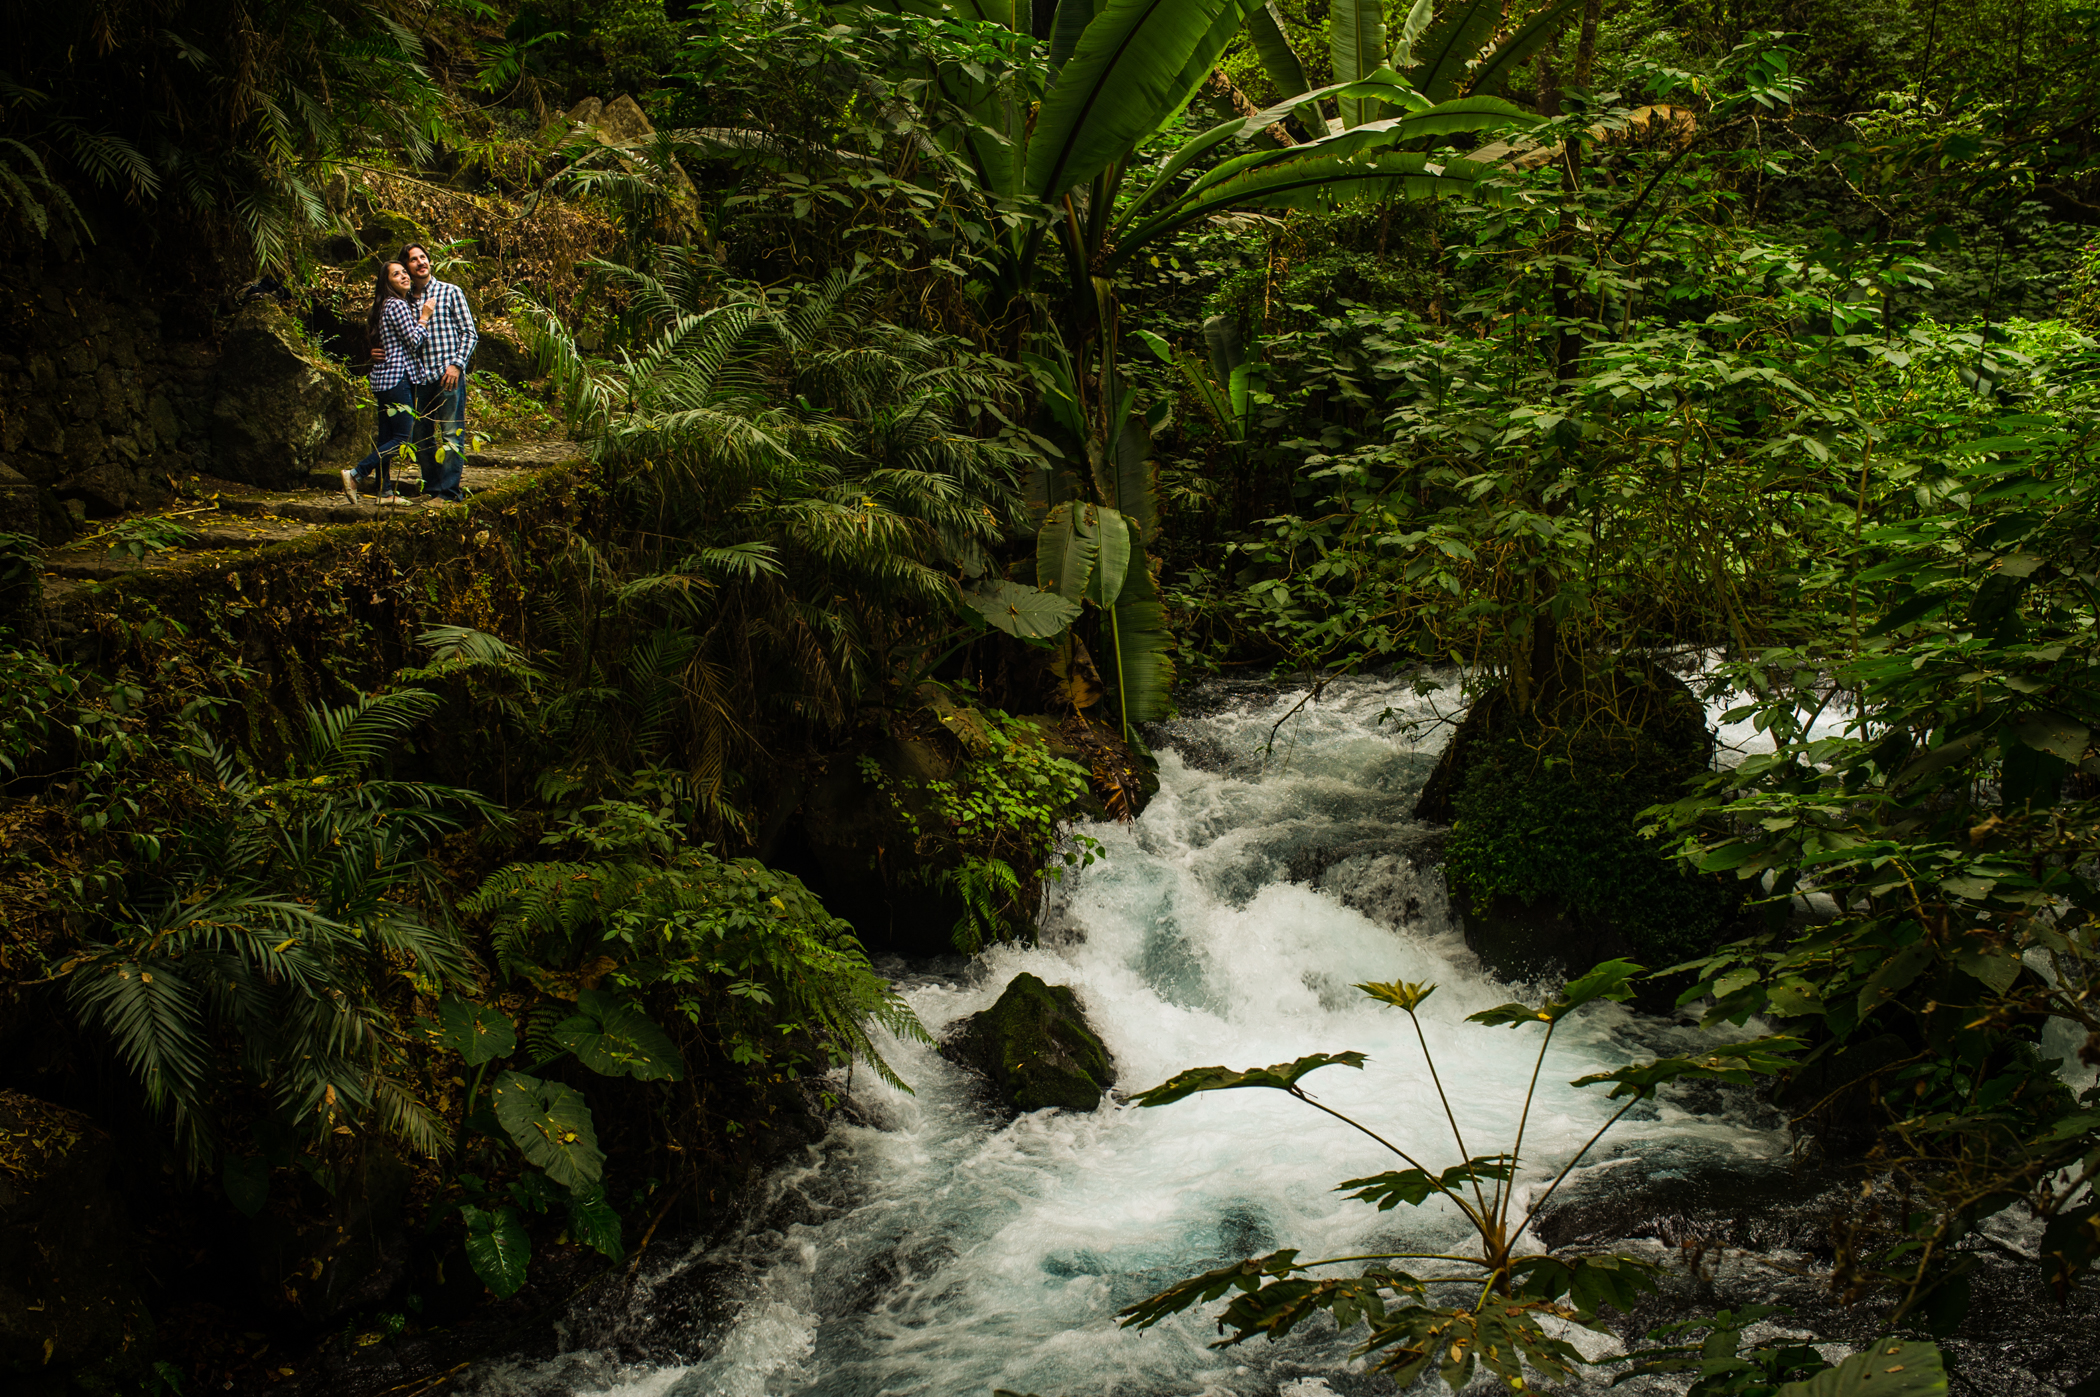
(397, 329)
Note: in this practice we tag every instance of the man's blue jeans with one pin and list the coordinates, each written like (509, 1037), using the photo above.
(441, 437)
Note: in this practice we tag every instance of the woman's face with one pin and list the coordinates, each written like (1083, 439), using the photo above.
(397, 277)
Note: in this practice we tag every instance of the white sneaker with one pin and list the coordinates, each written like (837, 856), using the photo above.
(350, 484)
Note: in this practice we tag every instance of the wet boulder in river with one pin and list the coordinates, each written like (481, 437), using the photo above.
(1036, 1048)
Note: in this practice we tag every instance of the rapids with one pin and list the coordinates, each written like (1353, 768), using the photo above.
(928, 1247)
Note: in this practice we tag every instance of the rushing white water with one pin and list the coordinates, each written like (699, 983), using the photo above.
(936, 1249)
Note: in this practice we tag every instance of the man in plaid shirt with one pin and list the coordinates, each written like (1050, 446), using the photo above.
(441, 398)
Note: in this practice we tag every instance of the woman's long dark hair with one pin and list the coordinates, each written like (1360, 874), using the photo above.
(382, 292)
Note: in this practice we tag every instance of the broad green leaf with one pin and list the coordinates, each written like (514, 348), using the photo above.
(1073, 16)
(593, 1222)
(2053, 733)
(1453, 42)
(1022, 612)
(477, 1032)
(1112, 565)
(1319, 182)
(1605, 981)
(1124, 78)
(1356, 47)
(1892, 975)
(614, 1038)
(1125, 477)
(1411, 31)
(1494, 71)
(1065, 550)
(1273, 46)
(1462, 114)
(1161, 350)
(497, 1248)
(1282, 1076)
(1138, 631)
(247, 1182)
(1889, 1368)
(1223, 342)
(551, 1125)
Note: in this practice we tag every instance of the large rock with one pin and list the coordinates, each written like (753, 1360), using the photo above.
(283, 410)
(1036, 1048)
(68, 1299)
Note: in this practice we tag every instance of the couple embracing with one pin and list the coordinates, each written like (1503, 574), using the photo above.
(422, 337)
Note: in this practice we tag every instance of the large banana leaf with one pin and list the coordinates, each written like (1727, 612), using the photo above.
(1278, 59)
(1321, 182)
(1138, 629)
(1065, 551)
(1112, 566)
(1204, 59)
(1242, 128)
(1455, 40)
(1125, 77)
(1356, 45)
(1447, 118)
(1411, 28)
(1123, 474)
(1073, 16)
(1515, 51)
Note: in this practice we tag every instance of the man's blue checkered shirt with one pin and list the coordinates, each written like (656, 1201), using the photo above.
(451, 336)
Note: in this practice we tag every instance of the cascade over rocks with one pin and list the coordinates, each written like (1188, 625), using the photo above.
(1036, 1048)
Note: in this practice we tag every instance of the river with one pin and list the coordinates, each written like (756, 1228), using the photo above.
(928, 1246)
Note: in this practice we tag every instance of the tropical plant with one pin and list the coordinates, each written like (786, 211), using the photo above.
(267, 943)
(1512, 1291)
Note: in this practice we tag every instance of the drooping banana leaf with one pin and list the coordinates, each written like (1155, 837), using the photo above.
(1204, 59)
(1322, 183)
(1356, 46)
(1453, 41)
(1112, 563)
(1515, 51)
(1066, 548)
(1123, 79)
(1278, 59)
(1124, 472)
(1444, 119)
(1138, 629)
(1221, 337)
(1411, 29)
(1073, 16)
(1244, 128)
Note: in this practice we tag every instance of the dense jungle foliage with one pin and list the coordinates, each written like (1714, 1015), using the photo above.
(959, 375)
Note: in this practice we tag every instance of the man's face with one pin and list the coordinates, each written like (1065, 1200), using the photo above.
(419, 264)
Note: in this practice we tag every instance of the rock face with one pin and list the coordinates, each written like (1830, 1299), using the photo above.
(1036, 1048)
(68, 1304)
(283, 409)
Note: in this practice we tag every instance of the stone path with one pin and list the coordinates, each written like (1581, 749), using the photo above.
(240, 520)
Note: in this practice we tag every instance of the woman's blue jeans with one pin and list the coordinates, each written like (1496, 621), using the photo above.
(394, 430)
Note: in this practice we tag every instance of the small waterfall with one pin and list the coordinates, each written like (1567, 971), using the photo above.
(930, 1248)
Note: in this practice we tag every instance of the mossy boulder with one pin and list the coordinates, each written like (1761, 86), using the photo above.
(283, 409)
(1545, 861)
(1036, 1048)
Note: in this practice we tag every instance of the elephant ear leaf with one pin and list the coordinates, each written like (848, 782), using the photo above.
(613, 1038)
(1022, 612)
(1283, 1076)
(497, 1248)
(477, 1032)
(593, 1222)
(551, 1126)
